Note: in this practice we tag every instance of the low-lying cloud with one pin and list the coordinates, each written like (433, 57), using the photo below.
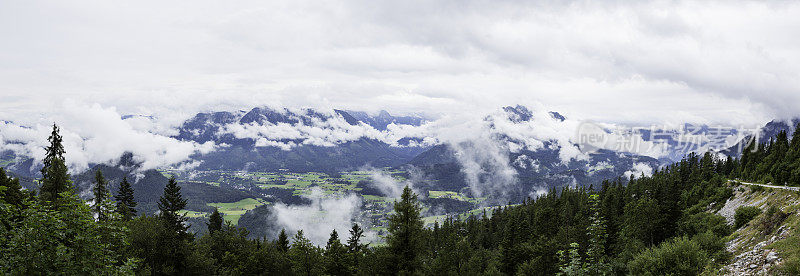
(329, 131)
(323, 215)
(94, 134)
(639, 170)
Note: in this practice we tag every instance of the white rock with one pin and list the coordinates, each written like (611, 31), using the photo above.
(772, 257)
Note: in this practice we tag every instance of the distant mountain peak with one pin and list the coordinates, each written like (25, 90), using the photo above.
(520, 113)
(384, 114)
(384, 119)
(557, 116)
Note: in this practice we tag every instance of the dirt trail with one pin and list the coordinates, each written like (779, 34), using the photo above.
(771, 186)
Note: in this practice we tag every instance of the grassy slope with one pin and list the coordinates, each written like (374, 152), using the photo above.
(232, 211)
(749, 235)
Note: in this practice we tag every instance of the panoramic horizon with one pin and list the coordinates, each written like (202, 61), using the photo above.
(364, 137)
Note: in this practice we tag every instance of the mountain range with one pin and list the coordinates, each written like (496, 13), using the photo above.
(295, 150)
(519, 157)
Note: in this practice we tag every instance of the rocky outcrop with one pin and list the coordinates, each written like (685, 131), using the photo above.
(759, 260)
(740, 198)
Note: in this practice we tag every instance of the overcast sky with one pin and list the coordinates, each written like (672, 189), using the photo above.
(668, 61)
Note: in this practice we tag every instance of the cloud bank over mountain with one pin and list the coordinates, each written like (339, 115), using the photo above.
(94, 134)
(651, 62)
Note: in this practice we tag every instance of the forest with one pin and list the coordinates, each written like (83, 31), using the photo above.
(645, 225)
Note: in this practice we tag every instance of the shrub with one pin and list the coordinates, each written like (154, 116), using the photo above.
(745, 214)
(714, 245)
(701, 222)
(680, 256)
(772, 218)
(756, 188)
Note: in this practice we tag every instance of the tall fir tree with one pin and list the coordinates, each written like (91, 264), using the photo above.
(354, 242)
(595, 256)
(305, 256)
(55, 176)
(335, 256)
(405, 233)
(100, 191)
(283, 241)
(170, 204)
(355, 247)
(215, 222)
(126, 204)
(56, 148)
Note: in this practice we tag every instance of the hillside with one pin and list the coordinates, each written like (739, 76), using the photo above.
(767, 244)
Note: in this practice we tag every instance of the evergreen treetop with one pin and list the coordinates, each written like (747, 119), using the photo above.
(405, 231)
(215, 222)
(100, 191)
(13, 193)
(170, 204)
(126, 203)
(55, 176)
(283, 241)
(55, 150)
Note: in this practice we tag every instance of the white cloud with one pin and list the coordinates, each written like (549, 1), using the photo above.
(319, 218)
(387, 184)
(327, 132)
(93, 134)
(653, 61)
(638, 170)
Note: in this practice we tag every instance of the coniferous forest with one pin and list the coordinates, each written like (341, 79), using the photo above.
(648, 225)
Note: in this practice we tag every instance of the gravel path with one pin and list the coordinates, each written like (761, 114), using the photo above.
(771, 186)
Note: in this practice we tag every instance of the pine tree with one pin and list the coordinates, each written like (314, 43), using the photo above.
(13, 193)
(793, 158)
(354, 242)
(170, 204)
(405, 232)
(595, 261)
(354, 246)
(55, 150)
(335, 253)
(62, 239)
(283, 241)
(641, 218)
(571, 265)
(55, 177)
(125, 202)
(215, 222)
(305, 256)
(100, 191)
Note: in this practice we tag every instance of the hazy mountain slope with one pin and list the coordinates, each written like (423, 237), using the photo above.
(767, 132)
(252, 142)
(149, 185)
(383, 119)
(528, 170)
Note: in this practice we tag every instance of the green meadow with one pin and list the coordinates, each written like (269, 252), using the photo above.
(232, 211)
